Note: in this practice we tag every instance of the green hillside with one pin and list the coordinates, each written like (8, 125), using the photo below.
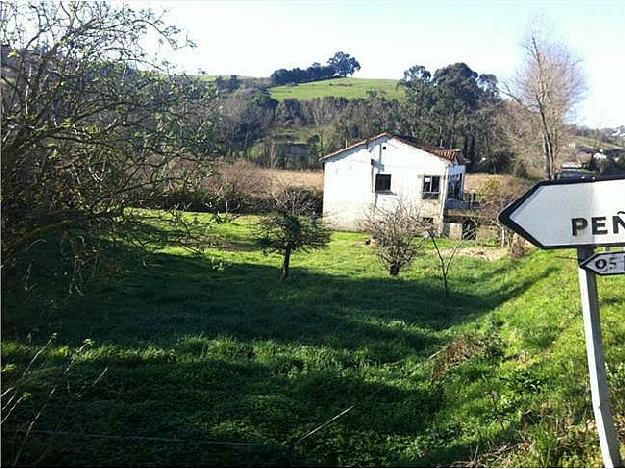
(596, 143)
(350, 88)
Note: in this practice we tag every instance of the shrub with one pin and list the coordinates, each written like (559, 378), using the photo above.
(394, 232)
(235, 188)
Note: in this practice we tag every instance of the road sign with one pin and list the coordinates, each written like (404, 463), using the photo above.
(599, 390)
(570, 213)
(605, 263)
(583, 214)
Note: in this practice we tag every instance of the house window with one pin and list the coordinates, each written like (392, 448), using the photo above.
(431, 187)
(382, 182)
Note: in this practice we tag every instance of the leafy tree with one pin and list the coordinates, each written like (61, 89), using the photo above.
(455, 107)
(417, 83)
(279, 77)
(343, 64)
(227, 85)
(455, 98)
(415, 76)
(292, 226)
(315, 72)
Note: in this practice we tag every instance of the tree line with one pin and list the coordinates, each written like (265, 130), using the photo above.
(522, 126)
(453, 108)
(340, 65)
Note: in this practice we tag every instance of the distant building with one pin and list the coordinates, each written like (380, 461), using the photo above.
(380, 171)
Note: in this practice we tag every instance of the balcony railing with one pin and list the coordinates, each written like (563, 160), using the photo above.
(464, 201)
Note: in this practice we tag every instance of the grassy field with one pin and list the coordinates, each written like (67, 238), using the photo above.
(595, 143)
(350, 88)
(209, 360)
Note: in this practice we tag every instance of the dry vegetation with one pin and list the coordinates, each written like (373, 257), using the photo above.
(475, 181)
(308, 179)
(314, 179)
(264, 179)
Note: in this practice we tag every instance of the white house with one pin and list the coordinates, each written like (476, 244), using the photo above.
(381, 170)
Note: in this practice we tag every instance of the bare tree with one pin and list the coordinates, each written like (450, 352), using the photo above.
(292, 226)
(548, 87)
(92, 124)
(322, 111)
(399, 235)
(495, 195)
(444, 258)
(234, 188)
(243, 117)
(520, 129)
(396, 233)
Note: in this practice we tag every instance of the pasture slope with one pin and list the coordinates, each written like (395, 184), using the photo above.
(350, 88)
(211, 361)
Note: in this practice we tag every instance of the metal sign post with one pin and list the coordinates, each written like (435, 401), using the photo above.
(583, 214)
(596, 363)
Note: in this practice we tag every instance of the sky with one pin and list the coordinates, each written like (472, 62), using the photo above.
(387, 37)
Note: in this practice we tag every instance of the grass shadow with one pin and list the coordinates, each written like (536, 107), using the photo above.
(206, 353)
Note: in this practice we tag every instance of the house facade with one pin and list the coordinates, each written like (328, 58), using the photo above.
(380, 171)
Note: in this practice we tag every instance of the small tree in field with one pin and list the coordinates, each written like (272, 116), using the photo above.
(394, 232)
(445, 258)
(292, 226)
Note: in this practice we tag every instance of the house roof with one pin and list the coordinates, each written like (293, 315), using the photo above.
(448, 155)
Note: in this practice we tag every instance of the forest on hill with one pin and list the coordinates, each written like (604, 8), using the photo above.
(291, 125)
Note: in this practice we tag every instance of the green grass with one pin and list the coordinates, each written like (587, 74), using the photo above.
(213, 353)
(295, 134)
(594, 143)
(350, 88)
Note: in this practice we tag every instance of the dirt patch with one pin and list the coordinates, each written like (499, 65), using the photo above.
(486, 254)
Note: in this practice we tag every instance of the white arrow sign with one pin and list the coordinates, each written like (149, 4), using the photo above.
(605, 263)
(570, 213)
